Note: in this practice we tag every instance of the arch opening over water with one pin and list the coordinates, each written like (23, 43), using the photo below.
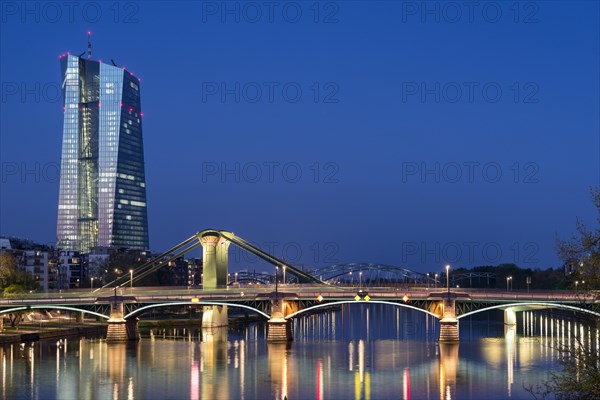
(201, 303)
(332, 304)
(53, 307)
(531, 306)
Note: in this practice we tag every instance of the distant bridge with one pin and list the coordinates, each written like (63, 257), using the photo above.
(372, 274)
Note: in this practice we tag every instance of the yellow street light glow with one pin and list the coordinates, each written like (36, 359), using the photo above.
(195, 300)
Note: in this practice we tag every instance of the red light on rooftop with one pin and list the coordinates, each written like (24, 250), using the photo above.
(141, 114)
(130, 109)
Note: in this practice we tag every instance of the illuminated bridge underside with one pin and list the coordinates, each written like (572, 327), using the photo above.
(586, 308)
(302, 303)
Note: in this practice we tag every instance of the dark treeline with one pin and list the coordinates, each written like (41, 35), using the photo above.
(541, 279)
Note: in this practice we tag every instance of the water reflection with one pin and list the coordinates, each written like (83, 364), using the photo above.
(360, 353)
(448, 368)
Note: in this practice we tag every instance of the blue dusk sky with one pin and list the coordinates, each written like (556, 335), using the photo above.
(404, 133)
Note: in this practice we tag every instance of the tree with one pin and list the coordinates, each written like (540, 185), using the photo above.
(580, 375)
(584, 248)
(8, 269)
(13, 279)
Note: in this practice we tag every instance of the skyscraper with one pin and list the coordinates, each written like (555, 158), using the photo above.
(102, 195)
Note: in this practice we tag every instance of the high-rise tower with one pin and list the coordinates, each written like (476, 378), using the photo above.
(102, 197)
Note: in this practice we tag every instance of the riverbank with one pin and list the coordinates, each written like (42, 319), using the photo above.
(32, 333)
(28, 333)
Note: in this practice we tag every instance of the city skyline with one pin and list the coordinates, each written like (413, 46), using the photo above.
(385, 157)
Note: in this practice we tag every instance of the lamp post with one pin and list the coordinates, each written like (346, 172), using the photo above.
(435, 281)
(508, 279)
(236, 277)
(92, 283)
(448, 277)
(131, 280)
(428, 280)
(360, 278)
(283, 274)
(576, 283)
(276, 286)
(351, 279)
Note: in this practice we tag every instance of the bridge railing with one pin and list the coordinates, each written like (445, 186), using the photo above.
(156, 293)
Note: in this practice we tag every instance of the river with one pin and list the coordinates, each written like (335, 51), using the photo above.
(354, 352)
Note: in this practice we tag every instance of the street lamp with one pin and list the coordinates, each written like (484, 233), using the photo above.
(284, 274)
(131, 280)
(508, 279)
(576, 283)
(360, 278)
(236, 277)
(276, 286)
(435, 281)
(448, 277)
(351, 279)
(428, 280)
(92, 283)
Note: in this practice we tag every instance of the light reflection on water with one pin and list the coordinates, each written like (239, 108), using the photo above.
(361, 352)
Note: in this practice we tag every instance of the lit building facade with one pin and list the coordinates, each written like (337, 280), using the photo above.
(102, 194)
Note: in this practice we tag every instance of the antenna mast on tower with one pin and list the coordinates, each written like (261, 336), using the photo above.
(89, 52)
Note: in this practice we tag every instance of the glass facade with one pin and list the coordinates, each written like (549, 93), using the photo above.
(102, 196)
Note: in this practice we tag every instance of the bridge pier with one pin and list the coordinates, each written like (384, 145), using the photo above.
(214, 316)
(119, 330)
(510, 317)
(280, 329)
(214, 260)
(449, 322)
(79, 317)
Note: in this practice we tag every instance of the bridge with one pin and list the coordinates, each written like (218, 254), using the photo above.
(121, 306)
(279, 308)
